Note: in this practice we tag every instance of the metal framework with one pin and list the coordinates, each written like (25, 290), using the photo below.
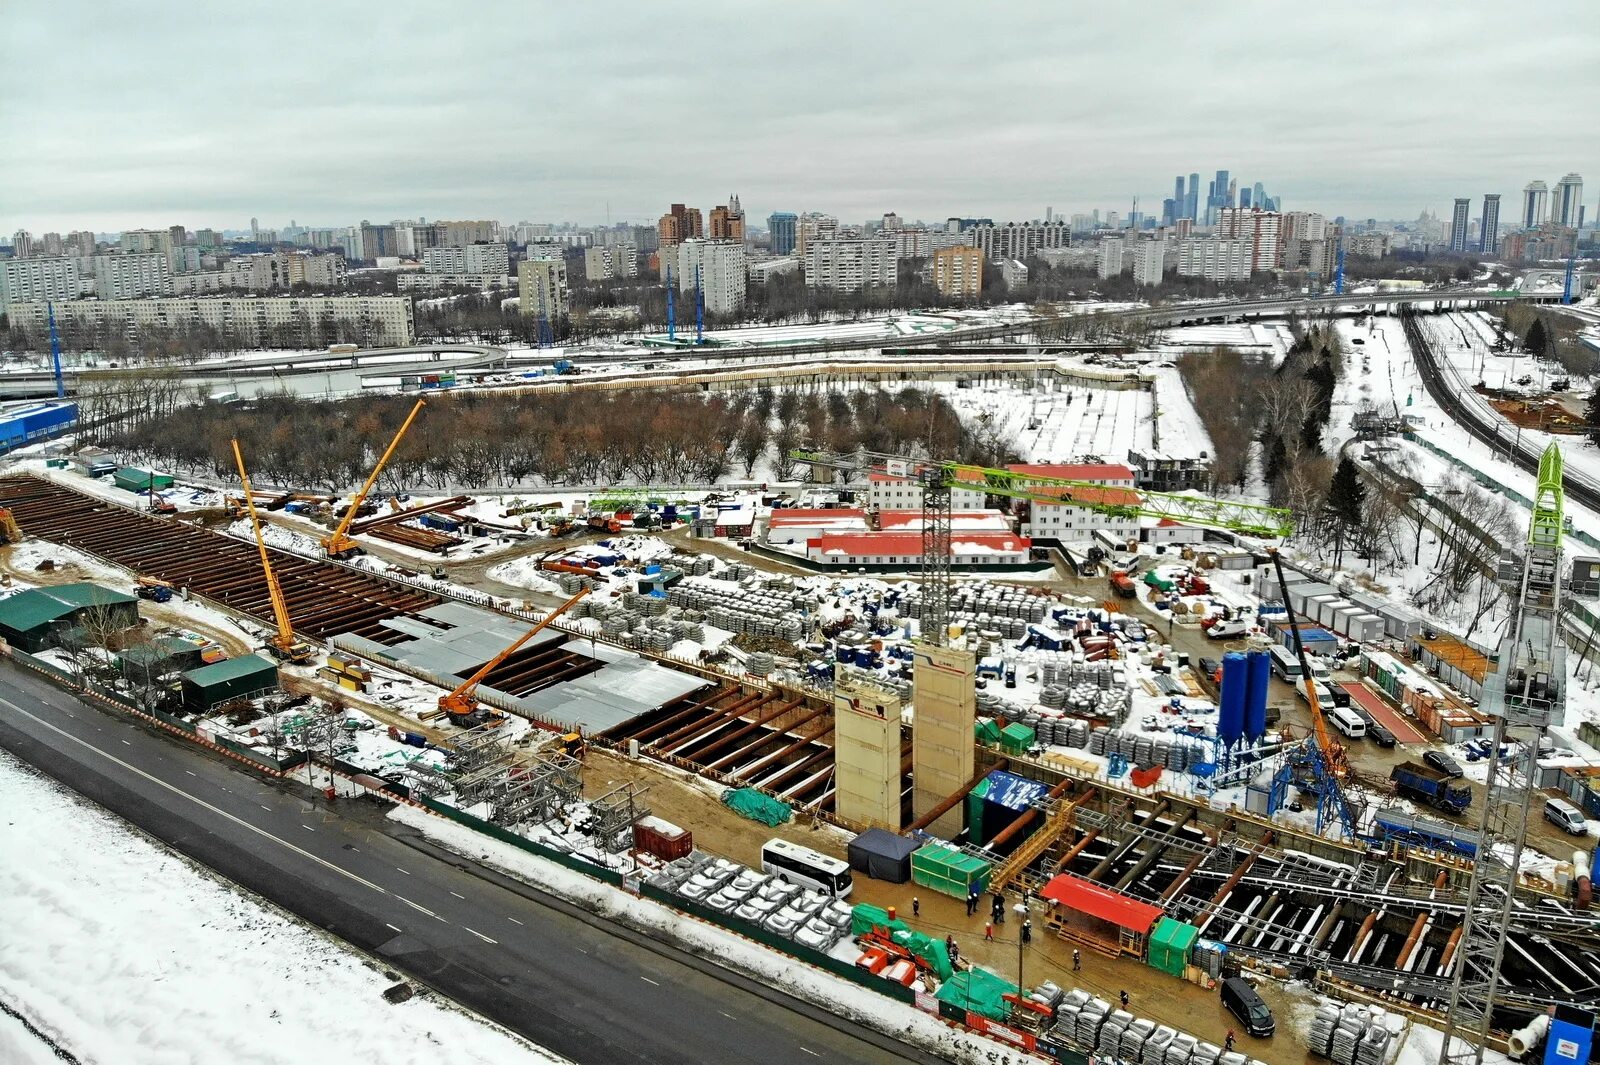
(935, 556)
(1525, 693)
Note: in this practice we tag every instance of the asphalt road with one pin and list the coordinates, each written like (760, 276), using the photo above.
(556, 974)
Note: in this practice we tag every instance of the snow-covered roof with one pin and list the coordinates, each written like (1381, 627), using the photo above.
(910, 544)
(1074, 471)
(910, 520)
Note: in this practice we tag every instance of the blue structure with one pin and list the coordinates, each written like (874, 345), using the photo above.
(781, 228)
(699, 308)
(1230, 713)
(31, 422)
(1566, 286)
(1338, 275)
(672, 310)
(1255, 695)
(61, 385)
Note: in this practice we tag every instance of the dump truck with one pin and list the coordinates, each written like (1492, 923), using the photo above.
(1427, 784)
(1123, 585)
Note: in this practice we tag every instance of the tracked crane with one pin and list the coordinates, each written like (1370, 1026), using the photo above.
(461, 705)
(283, 645)
(339, 544)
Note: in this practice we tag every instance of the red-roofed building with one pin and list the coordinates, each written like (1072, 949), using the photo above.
(1067, 522)
(903, 550)
(888, 491)
(796, 525)
(961, 520)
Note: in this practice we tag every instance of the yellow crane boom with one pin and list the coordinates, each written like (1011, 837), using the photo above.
(283, 645)
(339, 544)
(462, 702)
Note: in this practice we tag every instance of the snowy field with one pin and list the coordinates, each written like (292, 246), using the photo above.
(228, 980)
(1268, 338)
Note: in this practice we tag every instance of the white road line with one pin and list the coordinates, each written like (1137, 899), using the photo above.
(405, 871)
(480, 935)
(129, 744)
(197, 801)
(356, 849)
(308, 828)
(647, 980)
(191, 773)
(461, 897)
(730, 1016)
(266, 808)
(513, 920)
(388, 925)
(813, 1053)
(414, 906)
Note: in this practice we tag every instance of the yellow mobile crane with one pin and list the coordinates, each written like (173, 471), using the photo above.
(339, 544)
(284, 645)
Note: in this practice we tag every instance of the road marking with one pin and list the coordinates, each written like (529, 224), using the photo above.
(356, 849)
(130, 745)
(308, 828)
(513, 920)
(191, 773)
(405, 871)
(730, 1016)
(414, 906)
(646, 979)
(263, 833)
(463, 898)
(267, 808)
(813, 1053)
(480, 935)
(388, 925)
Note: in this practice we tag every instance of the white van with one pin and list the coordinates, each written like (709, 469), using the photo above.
(1565, 816)
(1285, 664)
(1346, 721)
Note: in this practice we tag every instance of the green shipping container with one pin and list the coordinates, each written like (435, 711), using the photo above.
(975, 799)
(1017, 737)
(1169, 945)
(949, 871)
(988, 732)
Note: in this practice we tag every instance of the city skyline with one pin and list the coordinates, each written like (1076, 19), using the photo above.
(799, 120)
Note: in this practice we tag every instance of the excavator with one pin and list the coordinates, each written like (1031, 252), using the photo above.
(339, 543)
(461, 705)
(284, 644)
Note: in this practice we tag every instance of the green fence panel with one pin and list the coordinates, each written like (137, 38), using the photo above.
(577, 865)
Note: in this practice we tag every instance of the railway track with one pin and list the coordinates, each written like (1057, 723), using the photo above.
(324, 599)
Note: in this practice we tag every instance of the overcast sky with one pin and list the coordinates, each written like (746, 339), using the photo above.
(115, 115)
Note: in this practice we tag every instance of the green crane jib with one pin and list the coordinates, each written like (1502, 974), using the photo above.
(1252, 519)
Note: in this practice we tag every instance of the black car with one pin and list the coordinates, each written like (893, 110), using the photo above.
(1379, 734)
(1443, 763)
(1243, 1002)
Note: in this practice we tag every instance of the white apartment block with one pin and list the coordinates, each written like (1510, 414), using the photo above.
(1109, 262)
(184, 258)
(611, 261)
(318, 271)
(475, 231)
(921, 243)
(1149, 261)
(1215, 258)
(762, 272)
(380, 321)
(263, 272)
(542, 285)
(888, 491)
(437, 282)
(852, 264)
(467, 259)
(1264, 230)
(132, 275)
(1063, 521)
(140, 241)
(25, 280)
(812, 226)
(723, 272)
(201, 284)
(1013, 272)
(1017, 240)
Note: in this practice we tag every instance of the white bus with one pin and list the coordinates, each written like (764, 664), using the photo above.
(1285, 663)
(804, 866)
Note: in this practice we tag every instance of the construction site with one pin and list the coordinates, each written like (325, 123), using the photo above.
(954, 738)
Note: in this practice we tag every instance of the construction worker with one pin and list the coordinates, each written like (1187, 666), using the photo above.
(998, 910)
(988, 931)
(1123, 995)
(972, 902)
(1077, 960)
(1027, 930)
(916, 906)
(1227, 1043)
(950, 948)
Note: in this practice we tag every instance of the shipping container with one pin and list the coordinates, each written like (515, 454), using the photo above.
(662, 839)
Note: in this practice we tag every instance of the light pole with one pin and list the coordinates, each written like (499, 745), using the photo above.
(1021, 910)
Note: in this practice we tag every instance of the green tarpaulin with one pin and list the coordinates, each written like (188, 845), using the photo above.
(1169, 945)
(1017, 737)
(947, 870)
(978, 991)
(748, 802)
(864, 917)
(988, 732)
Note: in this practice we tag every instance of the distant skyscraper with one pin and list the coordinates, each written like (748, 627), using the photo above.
(1244, 197)
(1177, 195)
(1489, 233)
(1458, 224)
(255, 229)
(1534, 194)
(1567, 202)
(1260, 197)
(780, 225)
(1169, 211)
(1191, 207)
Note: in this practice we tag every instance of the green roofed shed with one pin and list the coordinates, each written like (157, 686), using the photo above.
(139, 479)
(32, 620)
(232, 678)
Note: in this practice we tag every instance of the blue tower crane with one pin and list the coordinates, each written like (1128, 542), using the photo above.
(1572, 266)
(55, 352)
(1338, 275)
(699, 308)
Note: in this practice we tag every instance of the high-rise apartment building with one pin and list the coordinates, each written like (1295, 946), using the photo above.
(958, 272)
(378, 242)
(1215, 258)
(1568, 201)
(850, 264)
(1017, 240)
(1489, 227)
(1109, 261)
(141, 241)
(780, 227)
(472, 231)
(542, 285)
(679, 224)
(22, 244)
(132, 275)
(468, 259)
(1458, 224)
(722, 270)
(27, 279)
(81, 243)
(1262, 228)
(611, 261)
(1534, 197)
(1149, 261)
(727, 221)
(813, 226)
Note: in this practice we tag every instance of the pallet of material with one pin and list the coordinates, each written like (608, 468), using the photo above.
(411, 536)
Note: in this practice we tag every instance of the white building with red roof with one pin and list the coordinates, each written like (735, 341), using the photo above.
(960, 521)
(888, 491)
(1107, 484)
(796, 525)
(903, 550)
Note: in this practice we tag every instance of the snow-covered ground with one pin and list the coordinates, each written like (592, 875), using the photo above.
(125, 954)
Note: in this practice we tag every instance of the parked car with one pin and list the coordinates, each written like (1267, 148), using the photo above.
(1244, 1003)
(1443, 763)
(1380, 734)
